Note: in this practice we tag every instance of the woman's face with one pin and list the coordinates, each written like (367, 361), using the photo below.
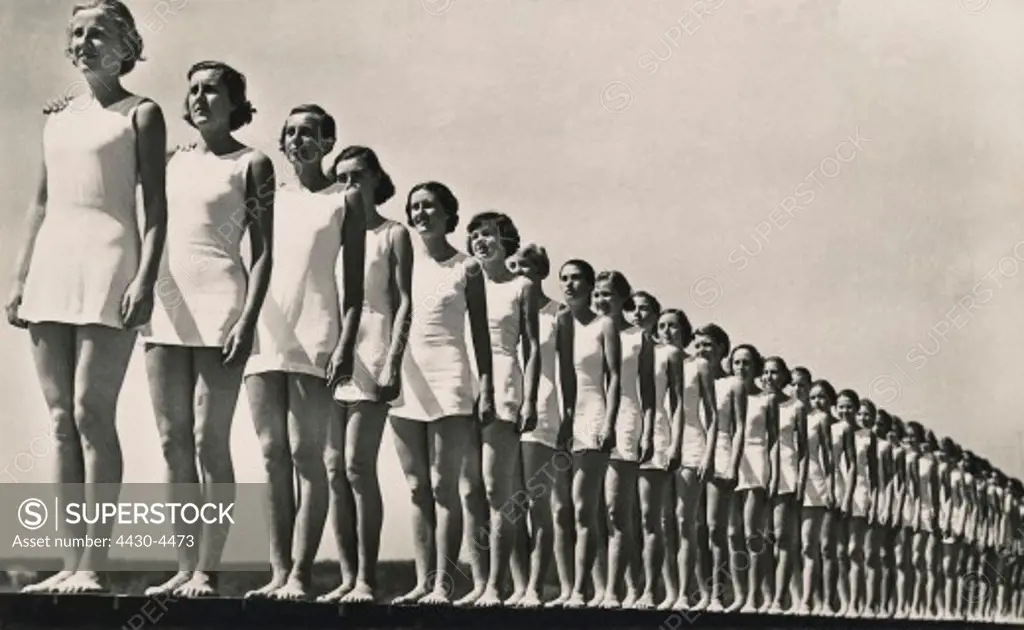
(644, 314)
(209, 105)
(302, 143)
(354, 173)
(426, 215)
(670, 331)
(846, 409)
(574, 284)
(801, 386)
(96, 44)
(819, 399)
(525, 266)
(604, 299)
(865, 417)
(744, 365)
(705, 347)
(773, 377)
(485, 243)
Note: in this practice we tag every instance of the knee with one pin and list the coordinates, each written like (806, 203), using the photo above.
(855, 552)
(308, 458)
(214, 454)
(334, 463)
(91, 423)
(361, 473)
(420, 492)
(842, 552)
(275, 454)
(883, 555)
(62, 419)
(445, 492)
(178, 445)
(809, 549)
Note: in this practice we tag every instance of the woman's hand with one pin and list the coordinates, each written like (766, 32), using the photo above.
(485, 406)
(606, 440)
(13, 306)
(339, 369)
(527, 417)
(136, 304)
(56, 105)
(390, 384)
(238, 345)
(646, 448)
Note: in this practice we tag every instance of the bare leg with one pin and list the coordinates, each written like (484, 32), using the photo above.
(216, 397)
(521, 509)
(830, 544)
(811, 546)
(476, 515)
(172, 384)
(102, 359)
(541, 471)
(690, 565)
(842, 547)
(739, 555)
(857, 557)
(312, 407)
(949, 566)
(620, 494)
(364, 430)
(756, 538)
(933, 564)
(53, 350)
(719, 502)
(413, 448)
(589, 470)
(448, 441)
(501, 449)
(670, 527)
(599, 574)
(782, 509)
(343, 515)
(563, 518)
(651, 487)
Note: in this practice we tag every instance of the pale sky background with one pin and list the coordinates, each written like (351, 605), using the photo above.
(561, 114)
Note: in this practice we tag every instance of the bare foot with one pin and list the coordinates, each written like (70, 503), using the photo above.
(776, 609)
(610, 602)
(292, 591)
(177, 580)
(703, 604)
(716, 606)
(470, 598)
(804, 610)
(265, 591)
(412, 597)
(490, 599)
(437, 597)
(50, 584)
(81, 582)
(596, 600)
(514, 599)
(646, 601)
(531, 599)
(575, 601)
(199, 585)
(334, 596)
(737, 604)
(630, 600)
(748, 608)
(361, 594)
(559, 601)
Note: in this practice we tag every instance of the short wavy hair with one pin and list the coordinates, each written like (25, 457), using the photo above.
(508, 233)
(446, 198)
(234, 81)
(385, 187)
(131, 39)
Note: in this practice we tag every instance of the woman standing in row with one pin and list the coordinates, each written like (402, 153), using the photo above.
(355, 432)
(85, 275)
(434, 417)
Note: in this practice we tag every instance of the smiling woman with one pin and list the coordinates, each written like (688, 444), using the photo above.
(85, 277)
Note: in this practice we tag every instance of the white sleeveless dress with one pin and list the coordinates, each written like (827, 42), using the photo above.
(723, 441)
(373, 340)
(549, 415)
(840, 464)
(909, 494)
(88, 246)
(754, 467)
(588, 361)
(629, 422)
(437, 381)
(661, 431)
(816, 487)
(300, 321)
(789, 460)
(925, 468)
(862, 488)
(201, 289)
(695, 425)
(504, 323)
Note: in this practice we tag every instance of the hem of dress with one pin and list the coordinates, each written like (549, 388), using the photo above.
(75, 321)
(288, 369)
(529, 438)
(398, 414)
